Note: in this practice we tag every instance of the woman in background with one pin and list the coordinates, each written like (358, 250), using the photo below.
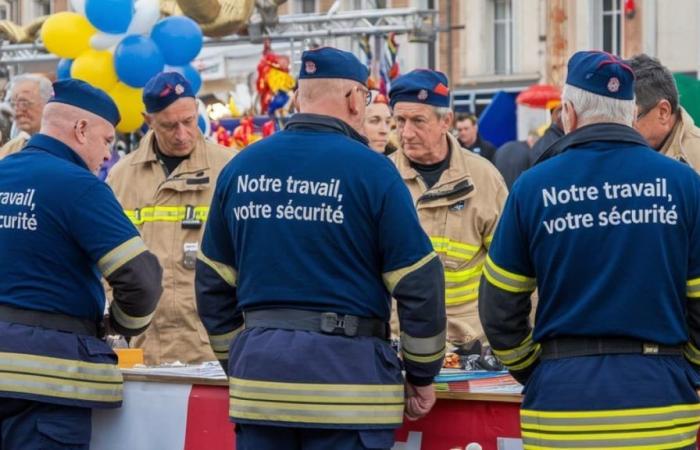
(378, 124)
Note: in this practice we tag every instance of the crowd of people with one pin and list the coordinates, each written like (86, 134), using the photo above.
(426, 233)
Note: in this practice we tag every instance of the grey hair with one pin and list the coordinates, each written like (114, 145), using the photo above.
(45, 86)
(442, 111)
(653, 83)
(591, 108)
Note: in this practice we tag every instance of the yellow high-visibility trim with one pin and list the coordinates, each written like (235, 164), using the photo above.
(63, 388)
(47, 362)
(611, 412)
(509, 281)
(487, 240)
(317, 387)
(120, 255)
(226, 272)
(424, 359)
(668, 446)
(454, 249)
(164, 213)
(130, 322)
(692, 353)
(614, 426)
(606, 436)
(512, 355)
(222, 342)
(529, 361)
(693, 288)
(392, 279)
(461, 300)
(459, 276)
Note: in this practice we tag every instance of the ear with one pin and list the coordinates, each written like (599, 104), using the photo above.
(353, 106)
(665, 113)
(446, 121)
(568, 117)
(148, 119)
(80, 131)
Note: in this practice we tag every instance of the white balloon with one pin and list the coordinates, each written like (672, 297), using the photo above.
(104, 41)
(78, 6)
(146, 14)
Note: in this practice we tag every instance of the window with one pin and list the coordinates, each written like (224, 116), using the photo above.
(369, 4)
(304, 6)
(3, 12)
(608, 26)
(41, 8)
(503, 36)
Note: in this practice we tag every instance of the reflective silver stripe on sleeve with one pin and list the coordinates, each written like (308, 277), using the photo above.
(120, 255)
(221, 342)
(127, 321)
(693, 290)
(423, 346)
(506, 280)
(227, 273)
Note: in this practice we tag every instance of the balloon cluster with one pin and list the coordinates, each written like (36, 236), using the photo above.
(118, 45)
(274, 81)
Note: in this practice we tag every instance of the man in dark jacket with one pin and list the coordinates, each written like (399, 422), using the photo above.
(469, 137)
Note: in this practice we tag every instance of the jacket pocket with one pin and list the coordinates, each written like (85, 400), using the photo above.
(65, 429)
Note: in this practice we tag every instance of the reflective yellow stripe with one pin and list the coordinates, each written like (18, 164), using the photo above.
(460, 276)
(221, 343)
(424, 359)
(611, 412)
(316, 403)
(692, 353)
(392, 279)
(461, 295)
(226, 272)
(508, 281)
(520, 357)
(127, 321)
(487, 241)
(60, 378)
(454, 249)
(164, 213)
(693, 288)
(121, 255)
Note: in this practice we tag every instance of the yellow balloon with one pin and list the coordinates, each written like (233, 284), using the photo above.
(130, 105)
(95, 67)
(279, 80)
(67, 34)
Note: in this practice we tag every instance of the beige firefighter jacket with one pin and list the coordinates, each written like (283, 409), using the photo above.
(684, 141)
(14, 145)
(170, 214)
(459, 213)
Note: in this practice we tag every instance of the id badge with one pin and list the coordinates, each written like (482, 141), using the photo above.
(189, 254)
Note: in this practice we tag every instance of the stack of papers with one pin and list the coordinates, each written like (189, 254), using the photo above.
(479, 381)
(210, 370)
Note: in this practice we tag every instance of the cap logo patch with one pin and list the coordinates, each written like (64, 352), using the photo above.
(613, 84)
(441, 89)
(422, 94)
(179, 89)
(166, 91)
(310, 67)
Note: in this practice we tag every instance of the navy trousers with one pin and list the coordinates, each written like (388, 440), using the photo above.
(262, 437)
(30, 425)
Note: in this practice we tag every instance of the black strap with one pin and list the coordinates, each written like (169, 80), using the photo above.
(327, 322)
(569, 347)
(51, 321)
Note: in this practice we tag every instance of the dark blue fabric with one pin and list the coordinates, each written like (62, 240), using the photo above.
(333, 263)
(428, 87)
(601, 73)
(85, 96)
(612, 278)
(50, 263)
(164, 89)
(329, 62)
(261, 437)
(611, 382)
(28, 425)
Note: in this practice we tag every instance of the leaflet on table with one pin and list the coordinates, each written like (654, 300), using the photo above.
(210, 370)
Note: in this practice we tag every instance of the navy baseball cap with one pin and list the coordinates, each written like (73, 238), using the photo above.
(329, 62)
(164, 89)
(83, 95)
(428, 87)
(601, 73)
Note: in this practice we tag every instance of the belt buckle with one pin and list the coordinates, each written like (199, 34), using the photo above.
(650, 349)
(331, 323)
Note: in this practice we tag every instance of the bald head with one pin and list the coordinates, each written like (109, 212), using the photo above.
(336, 97)
(89, 135)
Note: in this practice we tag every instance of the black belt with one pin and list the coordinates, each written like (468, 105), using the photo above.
(569, 347)
(51, 321)
(327, 322)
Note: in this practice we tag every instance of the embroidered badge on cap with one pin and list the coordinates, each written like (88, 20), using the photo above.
(166, 91)
(310, 67)
(422, 94)
(179, 89)
(613, 84)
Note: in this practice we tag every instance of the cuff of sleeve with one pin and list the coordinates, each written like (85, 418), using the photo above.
(418, 381)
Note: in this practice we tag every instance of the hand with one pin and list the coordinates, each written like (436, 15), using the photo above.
(419, 400)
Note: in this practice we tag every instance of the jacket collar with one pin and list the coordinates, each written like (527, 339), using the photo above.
(197, 161)
(597, 132)
(458, 169)
(318, 122)
(673, 146)
(57, 148)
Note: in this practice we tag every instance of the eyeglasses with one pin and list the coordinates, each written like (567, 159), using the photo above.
(368, 94)
(14, 104)
(647, 111)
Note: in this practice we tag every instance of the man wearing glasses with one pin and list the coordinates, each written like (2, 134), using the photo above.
(661, 119)
(28, 96)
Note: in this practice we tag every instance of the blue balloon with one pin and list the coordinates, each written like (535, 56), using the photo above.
(190, 73)
(202, 123)
(63, 69)
(137, 60)
(110, 16)
(179, 39)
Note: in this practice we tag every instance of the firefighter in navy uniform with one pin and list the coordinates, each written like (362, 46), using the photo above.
(309, 234)
(609, 233)
(61, 231)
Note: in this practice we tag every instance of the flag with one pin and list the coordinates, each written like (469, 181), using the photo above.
(388, 66)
